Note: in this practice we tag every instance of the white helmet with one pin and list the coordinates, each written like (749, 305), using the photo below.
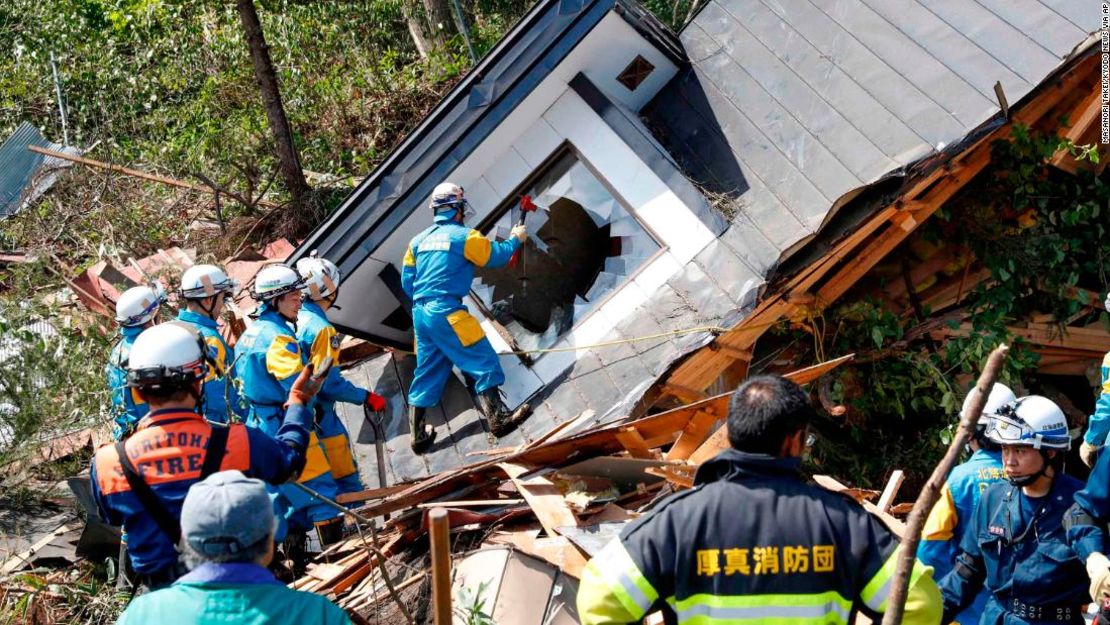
(201, 281)
(446, 195)
(1000, 396)
(320, 275)
(169, 355)
(139, 304)
(1033, 421)
(274, 281)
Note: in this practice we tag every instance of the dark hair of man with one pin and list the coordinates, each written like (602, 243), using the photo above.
(764, 411)
(164, 394)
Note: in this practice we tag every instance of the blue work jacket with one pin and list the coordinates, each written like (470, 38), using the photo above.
(268, 361)
(440, 261)
(242, 593)
(951, 515)
(1099, 423)
(319, 340)
(127, 407)
(220, 392)
(1017, 558)
(168, 449)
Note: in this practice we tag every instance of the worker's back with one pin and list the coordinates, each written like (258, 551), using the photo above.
(750, 541)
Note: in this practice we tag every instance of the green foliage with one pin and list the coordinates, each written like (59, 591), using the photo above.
(51, 374)
(470, 606)
(1041, 233)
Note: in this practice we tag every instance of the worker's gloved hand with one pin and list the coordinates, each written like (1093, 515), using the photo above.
(1098, 569)
(374, 401)
(1088, 453)
(520, 232)
(304, 388)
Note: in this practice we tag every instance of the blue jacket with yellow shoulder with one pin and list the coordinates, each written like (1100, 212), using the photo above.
(751, 542)
(220, 392)
(127, 407)
(1099, 424)
(168, 450)
(268, 361)
(949, 518)
(447, 253)
(319, 340)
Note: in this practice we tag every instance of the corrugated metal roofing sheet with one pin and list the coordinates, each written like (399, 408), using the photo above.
(19, 184)
(791, 104)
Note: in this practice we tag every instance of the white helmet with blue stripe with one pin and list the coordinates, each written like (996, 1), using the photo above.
(139, 304)
(1032, 421)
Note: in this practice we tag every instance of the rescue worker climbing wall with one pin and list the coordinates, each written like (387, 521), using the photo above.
(940, 539)
(1098, 426)
(1016, 546)
(268, 359)
(320, 342)
(140, 484)
(752, 542)
(437, 270)
(136, 310)
(205, 289)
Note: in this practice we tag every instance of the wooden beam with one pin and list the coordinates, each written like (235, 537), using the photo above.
(634, 444)
(894, 524)
(693, 435)
(545, 500)
(890, 493)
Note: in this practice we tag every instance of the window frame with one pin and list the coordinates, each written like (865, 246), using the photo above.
(513, 201)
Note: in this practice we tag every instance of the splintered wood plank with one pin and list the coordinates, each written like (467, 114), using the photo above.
(894, 524)
(634, 444)
(672, 475)
(693, 435)
(886, 500)
(718, 442)
(542, 496)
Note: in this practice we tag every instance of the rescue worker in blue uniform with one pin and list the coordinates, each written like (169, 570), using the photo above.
(140, 484)
(752, 542)
(268, 360)
(1098, 426)
(136, 310)
(205, 289)
(436, 273)
(940, 539)
(1016, 545)
(320, 342)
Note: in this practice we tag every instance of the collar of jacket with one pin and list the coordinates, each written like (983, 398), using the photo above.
(168, 414)
(310, 306)
(271, 314)
(228, 573)
(197, 318)
(983, 454)
(732, 463)
(445, 218)
(131, 332)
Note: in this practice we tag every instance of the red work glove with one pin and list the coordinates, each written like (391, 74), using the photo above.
(304, 388)
(374, 401)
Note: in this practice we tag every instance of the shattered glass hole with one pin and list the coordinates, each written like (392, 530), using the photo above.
(582, 245)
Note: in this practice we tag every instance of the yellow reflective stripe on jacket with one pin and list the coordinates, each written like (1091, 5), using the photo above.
(219, 366)
(827, 607)
(923, 604)
(338, 451)
(941, 524)
(322, 347)
(477, 248)
(315, 460)
(283, 358)
(410, 259)
(613, 590)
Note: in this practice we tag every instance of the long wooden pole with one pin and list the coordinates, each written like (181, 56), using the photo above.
(135, 173)
(896, 603)
(439, 529)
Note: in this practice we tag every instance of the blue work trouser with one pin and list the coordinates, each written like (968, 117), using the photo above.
(299, 509)
(446, 335)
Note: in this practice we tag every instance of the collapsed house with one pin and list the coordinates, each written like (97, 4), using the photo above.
(694, 190)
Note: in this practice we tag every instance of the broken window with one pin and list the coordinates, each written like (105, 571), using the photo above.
(582, 245)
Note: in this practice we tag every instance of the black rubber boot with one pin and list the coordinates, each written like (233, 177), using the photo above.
(422, 435)
(330, 532)
(501, 421)
(296, 550)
